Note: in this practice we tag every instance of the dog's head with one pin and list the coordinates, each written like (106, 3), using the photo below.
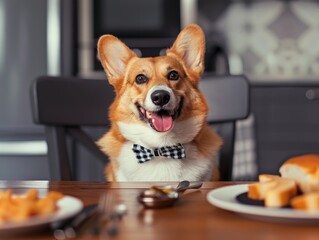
(159, 94)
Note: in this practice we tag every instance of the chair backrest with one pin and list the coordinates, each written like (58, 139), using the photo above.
(228, 98)
(65, 104)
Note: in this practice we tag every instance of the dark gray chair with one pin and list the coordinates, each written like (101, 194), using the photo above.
(64, 105)
(228, 101)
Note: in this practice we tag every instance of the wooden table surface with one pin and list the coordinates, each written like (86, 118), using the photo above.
(192, 217)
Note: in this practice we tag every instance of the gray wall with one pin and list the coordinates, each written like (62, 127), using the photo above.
(22, 58)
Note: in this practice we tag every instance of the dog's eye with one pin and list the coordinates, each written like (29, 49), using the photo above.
(141, 78)
(173, 75)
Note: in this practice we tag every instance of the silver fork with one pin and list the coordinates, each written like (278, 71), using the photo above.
(105, 209)
(102, 221)
(111, 213)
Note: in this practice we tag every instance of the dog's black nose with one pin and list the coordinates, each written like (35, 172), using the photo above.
(160, 97)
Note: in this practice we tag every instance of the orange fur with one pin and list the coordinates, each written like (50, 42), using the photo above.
(122, 66)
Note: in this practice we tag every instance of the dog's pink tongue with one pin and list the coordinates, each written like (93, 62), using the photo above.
(162, 123)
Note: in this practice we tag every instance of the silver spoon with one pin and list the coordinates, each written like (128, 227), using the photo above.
(184, 185)
(148, 199)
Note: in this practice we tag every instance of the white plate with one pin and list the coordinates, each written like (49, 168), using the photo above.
(67, 207)
(225, 198)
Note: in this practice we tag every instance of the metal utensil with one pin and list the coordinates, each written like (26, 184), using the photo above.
(101, 219)
(182, 185)
(159, 197)
(181, 188)
(68, 229)
(110, 215)
(118, 212)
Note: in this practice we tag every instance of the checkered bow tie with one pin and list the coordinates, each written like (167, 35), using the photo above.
(144, 154)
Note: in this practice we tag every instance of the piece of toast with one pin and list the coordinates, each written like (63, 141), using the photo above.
(274, 190)
(309, 202)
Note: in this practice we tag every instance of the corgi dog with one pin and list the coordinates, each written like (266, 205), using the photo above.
(158, 118)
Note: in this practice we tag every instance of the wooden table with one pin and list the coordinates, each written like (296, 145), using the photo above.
(191, 218)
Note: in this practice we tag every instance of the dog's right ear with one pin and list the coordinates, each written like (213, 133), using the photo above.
(114, 56)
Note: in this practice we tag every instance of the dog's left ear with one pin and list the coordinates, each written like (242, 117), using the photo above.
(190, 47)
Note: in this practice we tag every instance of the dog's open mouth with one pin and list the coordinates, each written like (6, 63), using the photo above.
(162, 120)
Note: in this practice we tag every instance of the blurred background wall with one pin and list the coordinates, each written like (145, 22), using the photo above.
(274, 43)
(23, 57)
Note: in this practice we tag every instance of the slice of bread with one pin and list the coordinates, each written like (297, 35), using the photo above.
(258, 190)
(309, 202)
(304, 170)
(274, 190)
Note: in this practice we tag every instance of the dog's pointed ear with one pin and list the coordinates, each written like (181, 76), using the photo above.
(114, 56)
(190, 47)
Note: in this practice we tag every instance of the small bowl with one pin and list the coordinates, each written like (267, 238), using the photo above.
(154, 199)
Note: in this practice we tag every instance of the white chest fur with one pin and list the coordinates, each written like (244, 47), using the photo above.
(193, 168)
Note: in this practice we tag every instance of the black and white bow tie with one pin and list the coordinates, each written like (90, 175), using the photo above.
(144, 154)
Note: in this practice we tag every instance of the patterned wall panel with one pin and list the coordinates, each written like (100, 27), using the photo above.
(266, 39)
